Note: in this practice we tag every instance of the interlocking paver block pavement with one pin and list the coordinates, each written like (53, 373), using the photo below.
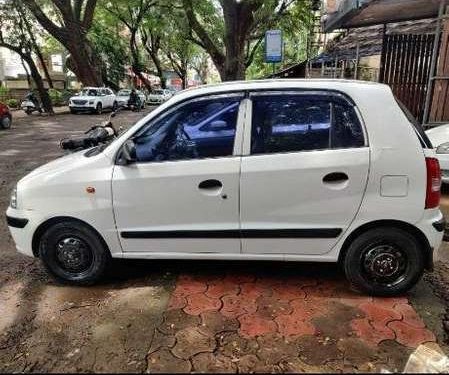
(247, 322)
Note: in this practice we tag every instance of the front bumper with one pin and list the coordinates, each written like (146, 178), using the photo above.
(22, 226)
(87, 107)
(16, 222)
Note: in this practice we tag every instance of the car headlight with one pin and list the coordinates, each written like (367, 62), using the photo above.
(13, 201)
(443, 148)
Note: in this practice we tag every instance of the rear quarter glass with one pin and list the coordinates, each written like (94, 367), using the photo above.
(423, 138)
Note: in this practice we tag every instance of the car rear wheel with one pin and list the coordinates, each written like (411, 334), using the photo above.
(99, 109)
(384, 262)
(73, 253)
(5, 122)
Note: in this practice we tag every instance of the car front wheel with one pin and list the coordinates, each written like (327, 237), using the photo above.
(73, 253)
(99, 108)
(384, 262)
(5, 122)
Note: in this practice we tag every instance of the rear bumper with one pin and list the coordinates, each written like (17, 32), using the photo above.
(432, 225)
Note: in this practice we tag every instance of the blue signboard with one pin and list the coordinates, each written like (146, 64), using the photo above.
(273, 46)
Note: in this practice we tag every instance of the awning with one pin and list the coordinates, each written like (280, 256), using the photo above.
(359, 13)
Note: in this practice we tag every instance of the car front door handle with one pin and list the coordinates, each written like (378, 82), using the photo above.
(210, 185)
(335, 178)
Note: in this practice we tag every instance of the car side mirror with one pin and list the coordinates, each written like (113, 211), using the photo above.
(128, 153)
(218, 125)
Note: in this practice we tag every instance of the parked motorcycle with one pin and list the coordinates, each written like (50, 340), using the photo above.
(96, 135)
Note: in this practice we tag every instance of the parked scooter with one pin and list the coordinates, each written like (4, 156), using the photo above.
(30, 104)
(96, 135)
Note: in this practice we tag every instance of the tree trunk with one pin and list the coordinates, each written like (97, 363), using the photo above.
(160, 71)
(72, 34)
(37, 78)
(85, 64)
(38, 52)
(26, 72)
(44, 66)
(136, 67)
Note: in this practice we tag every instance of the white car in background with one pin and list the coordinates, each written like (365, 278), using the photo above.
(123, 97)
(93, 99)
(159, 96)
(439, 136)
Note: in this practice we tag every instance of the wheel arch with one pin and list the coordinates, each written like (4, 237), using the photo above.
(411, 229)
(38, 233)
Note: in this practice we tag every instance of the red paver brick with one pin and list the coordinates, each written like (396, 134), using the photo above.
(253, 290)
(294, 325)
(389, 303)
(252, 325)
(377, 314)
(198, 303)
(288, 292)
(372, 336)
(239, 278)
(177, 302)
(220, 288)
(234, 306)
(310, 307)
(411, 336)
(409, 315)
(187, 286)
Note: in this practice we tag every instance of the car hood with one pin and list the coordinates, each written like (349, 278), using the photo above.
(438, 135)
(61, 166)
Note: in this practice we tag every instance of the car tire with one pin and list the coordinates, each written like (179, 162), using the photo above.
(6, 122)
(73, 112)
(384, 262)
(99, 109)
(73, 253)
(114, 106)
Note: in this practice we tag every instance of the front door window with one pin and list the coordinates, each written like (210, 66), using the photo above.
(199, 129)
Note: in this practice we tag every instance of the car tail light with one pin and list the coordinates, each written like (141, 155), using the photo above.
(433, 183)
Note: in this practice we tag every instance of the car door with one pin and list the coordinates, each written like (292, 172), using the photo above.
(304, 172)
(181, 196)
(110, 97)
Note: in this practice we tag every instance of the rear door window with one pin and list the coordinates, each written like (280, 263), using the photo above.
(301, 122)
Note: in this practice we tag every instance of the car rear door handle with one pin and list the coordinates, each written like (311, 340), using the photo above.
(210, 185)
(335, 178)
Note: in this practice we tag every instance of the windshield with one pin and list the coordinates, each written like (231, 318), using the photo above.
(158, 92)
(124, 93)
(88, 92)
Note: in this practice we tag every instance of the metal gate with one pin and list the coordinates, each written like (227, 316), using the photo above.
(405, 66)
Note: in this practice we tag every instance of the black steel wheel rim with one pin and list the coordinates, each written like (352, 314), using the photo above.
(384, 265)
(74, 255)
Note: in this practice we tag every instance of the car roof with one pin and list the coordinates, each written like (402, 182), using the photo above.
(282, 84)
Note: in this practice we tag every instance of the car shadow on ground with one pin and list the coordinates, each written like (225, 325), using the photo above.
(121, 270)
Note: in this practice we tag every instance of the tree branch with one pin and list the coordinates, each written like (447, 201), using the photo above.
(206, 41)
(52, 28)
(89, 11)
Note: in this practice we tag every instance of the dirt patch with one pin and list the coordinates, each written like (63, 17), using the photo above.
(46, 327)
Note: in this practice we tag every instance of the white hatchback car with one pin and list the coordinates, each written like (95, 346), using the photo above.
(281, 170)
(439, 136)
